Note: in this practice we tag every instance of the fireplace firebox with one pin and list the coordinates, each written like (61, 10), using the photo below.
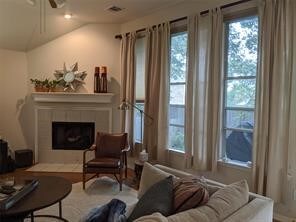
(72, 135)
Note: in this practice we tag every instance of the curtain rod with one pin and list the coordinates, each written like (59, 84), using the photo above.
(185, 17)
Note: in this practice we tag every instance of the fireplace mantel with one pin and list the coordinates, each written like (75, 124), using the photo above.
(62, 97)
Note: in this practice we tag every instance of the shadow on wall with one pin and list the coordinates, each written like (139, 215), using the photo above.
(25, 107)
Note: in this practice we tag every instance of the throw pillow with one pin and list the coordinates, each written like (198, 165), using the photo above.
(230, 198)
(221, 204)
(158, 198)
(150, 176)
(189, 193)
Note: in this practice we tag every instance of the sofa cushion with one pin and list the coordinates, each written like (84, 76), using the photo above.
(189, 192)
(150, 176)
(156, 217)
(221, 204)
(158, 198)
(104, 163)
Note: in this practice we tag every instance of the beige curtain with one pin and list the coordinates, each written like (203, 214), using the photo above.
(156, 98)
(203, 97)
(127, 72)
(274, 97)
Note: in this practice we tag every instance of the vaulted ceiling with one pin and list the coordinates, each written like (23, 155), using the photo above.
(20, 22)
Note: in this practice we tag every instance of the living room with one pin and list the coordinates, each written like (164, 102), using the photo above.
(218, 124)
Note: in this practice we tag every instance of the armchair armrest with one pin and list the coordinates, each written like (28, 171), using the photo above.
(92, 148)
(123, 156)
(126, 149)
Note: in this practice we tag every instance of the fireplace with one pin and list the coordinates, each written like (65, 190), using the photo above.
(72, 135)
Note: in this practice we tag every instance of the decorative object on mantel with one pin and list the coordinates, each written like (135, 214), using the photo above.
(55, 86)
(40, 85)
(45, 85)
(97, 80)
(104, 80)
(70, 78)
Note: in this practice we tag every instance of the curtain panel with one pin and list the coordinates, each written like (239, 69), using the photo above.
(157, 92)
(128, 73)
(203, 95)
(274, 97)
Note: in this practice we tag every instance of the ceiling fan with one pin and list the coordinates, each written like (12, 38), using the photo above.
(53, 3)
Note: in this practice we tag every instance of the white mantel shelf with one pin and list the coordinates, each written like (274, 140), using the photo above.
(62, 97)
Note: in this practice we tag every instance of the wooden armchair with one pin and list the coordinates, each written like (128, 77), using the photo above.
(110, 157)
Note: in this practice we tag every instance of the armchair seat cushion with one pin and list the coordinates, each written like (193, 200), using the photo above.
(104, 163)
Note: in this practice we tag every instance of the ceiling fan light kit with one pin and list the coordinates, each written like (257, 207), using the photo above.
(57, 3)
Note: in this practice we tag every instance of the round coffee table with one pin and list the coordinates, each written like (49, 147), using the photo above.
(49, 191)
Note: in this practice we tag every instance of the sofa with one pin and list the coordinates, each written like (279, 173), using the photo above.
(256, 208)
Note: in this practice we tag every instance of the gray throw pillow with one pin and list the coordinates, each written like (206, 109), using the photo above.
(158, 198)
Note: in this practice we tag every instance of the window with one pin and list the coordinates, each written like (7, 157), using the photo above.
(178, 65)
(138, 122)
(140, 88)
(240, 70)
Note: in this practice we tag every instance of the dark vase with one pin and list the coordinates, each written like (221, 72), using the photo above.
(104, 79)
(97, 80)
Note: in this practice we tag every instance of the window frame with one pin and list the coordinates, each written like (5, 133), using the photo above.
(141, 101)
(226, 78)
(137, 104)
(174, 32)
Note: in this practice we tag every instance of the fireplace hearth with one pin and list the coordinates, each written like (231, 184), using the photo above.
(72, 135)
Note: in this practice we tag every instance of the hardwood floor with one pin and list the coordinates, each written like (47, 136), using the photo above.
(73, 177)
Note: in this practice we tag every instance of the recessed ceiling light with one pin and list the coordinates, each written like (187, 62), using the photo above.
(68, 16)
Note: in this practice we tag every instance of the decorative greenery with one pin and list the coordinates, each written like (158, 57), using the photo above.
(36, 82)
(53, 83)
(46, 83)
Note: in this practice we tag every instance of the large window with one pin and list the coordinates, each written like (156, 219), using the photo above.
(241, 43)
(178, 65)
(140, 88)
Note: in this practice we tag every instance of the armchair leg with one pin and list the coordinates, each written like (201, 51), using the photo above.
(125, 157)
(83, 181)
(120, 180)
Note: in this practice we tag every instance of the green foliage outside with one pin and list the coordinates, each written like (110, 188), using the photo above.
(178, 75)
(241, 62)
(178, 57)
(177, 140)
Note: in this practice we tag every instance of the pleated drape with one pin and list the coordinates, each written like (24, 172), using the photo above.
(274, 97)
(203, 97)
(156, 96)
(127, 72)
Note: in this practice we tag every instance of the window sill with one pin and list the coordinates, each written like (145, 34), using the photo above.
(176, 152)
(235, 164)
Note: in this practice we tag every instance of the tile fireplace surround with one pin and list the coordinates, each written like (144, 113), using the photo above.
(67, 107)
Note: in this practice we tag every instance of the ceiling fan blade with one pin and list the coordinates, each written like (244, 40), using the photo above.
(53, 3)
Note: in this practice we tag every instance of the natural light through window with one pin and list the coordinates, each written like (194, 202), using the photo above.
(140, 88)
(178, 61)
(241, 44)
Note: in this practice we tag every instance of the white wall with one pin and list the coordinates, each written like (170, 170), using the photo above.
(13, 90)
(91, 45)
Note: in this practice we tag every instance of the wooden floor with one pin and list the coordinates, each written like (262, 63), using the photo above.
(73, 177)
